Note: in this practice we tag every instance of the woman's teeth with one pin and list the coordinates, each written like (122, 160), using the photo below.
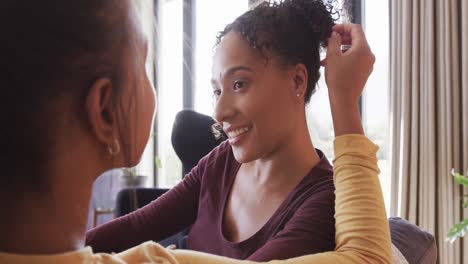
(237, 132)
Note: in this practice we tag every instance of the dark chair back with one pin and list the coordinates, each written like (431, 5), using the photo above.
(192, 137)
(130, 199)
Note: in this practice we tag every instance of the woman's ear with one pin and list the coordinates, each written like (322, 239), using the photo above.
(300, 80)
(100, 111)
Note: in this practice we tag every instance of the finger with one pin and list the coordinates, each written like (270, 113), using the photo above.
(339, 28)
(354, 31)
(334, 45)
(346, 39)
(344, 49)
(346, 28)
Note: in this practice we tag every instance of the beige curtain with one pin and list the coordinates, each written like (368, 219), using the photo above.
(429, 109)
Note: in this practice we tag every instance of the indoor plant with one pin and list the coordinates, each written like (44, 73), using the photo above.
(130, 178)
(459, 230)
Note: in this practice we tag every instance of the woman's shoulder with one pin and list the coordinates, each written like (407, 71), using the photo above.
(320, 176)
(316, 190)
(218, 166)
(223, 149)
(220, 154)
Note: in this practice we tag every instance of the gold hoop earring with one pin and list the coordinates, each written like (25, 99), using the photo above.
(114, 152)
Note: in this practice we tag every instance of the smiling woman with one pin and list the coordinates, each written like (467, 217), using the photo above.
(264, 71)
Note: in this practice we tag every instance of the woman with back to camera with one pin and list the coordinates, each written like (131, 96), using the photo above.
(77, 102)
(266, 193)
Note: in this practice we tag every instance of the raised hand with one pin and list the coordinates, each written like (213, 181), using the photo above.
(346, 74)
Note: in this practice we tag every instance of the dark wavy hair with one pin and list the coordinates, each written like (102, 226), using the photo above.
(291, 30)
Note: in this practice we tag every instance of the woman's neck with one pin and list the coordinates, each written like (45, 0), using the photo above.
(290, 162)
(47, 223)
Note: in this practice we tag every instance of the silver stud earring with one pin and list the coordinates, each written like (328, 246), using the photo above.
(298, 94)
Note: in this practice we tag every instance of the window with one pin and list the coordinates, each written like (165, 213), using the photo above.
(169, 87)
(145, 9)
(376, 99)
(208, 24)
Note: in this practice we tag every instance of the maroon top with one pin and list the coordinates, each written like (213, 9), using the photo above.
(303, 224)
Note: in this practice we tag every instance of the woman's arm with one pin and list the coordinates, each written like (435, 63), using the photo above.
(163, 217)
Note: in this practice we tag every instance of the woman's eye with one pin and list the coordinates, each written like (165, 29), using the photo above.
(216, 93)
(239, 85)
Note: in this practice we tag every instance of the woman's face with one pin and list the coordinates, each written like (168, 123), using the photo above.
(138, 101)
(255, 99)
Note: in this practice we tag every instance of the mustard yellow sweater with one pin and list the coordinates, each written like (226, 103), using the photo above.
(362, 232)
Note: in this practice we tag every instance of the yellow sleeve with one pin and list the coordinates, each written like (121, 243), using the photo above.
(362, 231)
(148, 252)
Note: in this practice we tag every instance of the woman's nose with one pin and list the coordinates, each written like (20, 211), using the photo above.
(224, 108)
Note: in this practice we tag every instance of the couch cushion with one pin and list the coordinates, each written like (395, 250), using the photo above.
(398, 258)
(417, 245)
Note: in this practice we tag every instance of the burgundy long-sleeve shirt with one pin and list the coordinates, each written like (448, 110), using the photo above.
(303, 223)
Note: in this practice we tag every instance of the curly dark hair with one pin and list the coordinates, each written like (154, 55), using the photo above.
(291, 30)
